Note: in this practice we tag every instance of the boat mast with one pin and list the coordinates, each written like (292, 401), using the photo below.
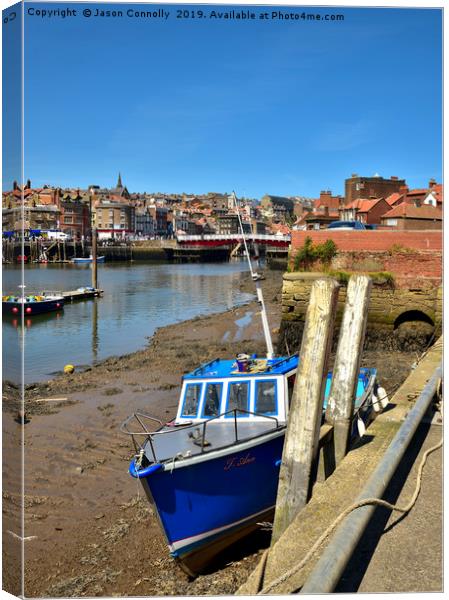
(256, 278)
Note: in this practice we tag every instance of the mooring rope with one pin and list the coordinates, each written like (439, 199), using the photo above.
(367, 501)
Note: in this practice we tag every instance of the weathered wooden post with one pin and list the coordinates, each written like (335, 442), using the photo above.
(340, 404)
(94, 258)
(302, 437)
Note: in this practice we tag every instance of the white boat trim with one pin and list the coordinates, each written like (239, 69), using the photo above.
(175, 546)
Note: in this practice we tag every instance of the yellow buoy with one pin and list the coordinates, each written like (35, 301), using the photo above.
(69, 369)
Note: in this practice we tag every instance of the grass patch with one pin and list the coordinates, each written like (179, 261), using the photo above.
(400, 249)
(112, 391)
(378, 277)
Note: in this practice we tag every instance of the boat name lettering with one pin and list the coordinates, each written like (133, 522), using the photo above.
(239, 462)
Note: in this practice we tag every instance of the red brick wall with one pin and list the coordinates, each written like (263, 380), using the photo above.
(372, 241)
(421, 264)
(410, 265)
(370, 251)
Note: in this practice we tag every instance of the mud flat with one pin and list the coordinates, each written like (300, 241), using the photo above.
(91, 531)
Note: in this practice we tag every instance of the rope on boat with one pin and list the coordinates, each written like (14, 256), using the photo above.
(367, 501)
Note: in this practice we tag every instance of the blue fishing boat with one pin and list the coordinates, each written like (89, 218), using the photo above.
(212, 473)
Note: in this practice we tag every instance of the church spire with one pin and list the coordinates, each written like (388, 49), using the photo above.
(119, 181)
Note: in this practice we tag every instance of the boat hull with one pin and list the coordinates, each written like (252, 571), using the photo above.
(209, 504)
(86, 261)
(32, 308)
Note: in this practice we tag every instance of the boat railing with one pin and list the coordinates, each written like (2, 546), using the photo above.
(148, 436)
(140, 418)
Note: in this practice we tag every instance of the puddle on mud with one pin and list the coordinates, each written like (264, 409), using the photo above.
(241, 323)
(244, 321)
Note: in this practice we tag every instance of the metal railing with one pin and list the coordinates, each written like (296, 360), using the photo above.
(234, 236)
(200, 441)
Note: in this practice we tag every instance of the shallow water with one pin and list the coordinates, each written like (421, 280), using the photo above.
(138, 298)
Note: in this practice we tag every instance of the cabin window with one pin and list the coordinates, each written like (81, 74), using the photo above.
(266, 397)
(238, 398)
(191, 400)
(212, 398)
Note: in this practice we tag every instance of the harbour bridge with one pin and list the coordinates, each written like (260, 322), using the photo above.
(233, 239)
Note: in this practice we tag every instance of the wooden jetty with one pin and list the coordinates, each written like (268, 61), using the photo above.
(81, 294)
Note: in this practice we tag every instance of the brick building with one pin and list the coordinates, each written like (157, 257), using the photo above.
(75, 216)
(369, 212)
(371, 187)
(408, 217)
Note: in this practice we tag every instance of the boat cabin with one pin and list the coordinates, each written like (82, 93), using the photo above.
(223, 390)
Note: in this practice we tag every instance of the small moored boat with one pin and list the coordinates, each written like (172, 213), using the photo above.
(87, 260)
(32, 304)
(212, 473)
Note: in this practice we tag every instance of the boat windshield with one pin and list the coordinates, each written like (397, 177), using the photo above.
(211, 407)
(266, 397)
(191, 400)
(238, 396)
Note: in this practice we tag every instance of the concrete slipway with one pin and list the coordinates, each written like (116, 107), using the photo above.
(403, 557)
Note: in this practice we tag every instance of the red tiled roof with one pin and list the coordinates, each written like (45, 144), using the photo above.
(410, 211)
(280, 227)
(45, 199)
(332, 202)
(393, 198)
(417, 192)
(362, 205)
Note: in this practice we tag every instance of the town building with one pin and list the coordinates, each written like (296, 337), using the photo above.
(278, 208)
(368, 212)
(371, 187)
(75, 216)
(145, 225)
(407, 217)
(230, 225)
(113, 220)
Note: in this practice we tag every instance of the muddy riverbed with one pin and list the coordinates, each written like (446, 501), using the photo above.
(89, 530)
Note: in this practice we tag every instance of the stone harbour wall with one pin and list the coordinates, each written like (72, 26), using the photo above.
(405, 317)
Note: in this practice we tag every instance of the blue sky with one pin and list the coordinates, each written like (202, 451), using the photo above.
(263, 106)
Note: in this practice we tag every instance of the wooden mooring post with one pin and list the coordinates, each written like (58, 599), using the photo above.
(302, 436)
(340, 404)
(94, 259)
